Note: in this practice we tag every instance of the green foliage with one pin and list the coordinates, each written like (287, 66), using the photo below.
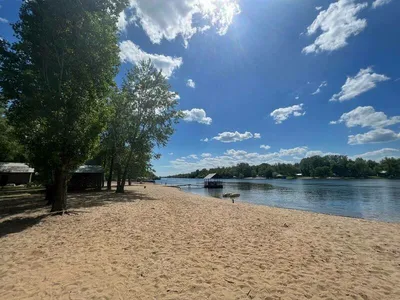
(143, 115)
(10, 148)
(63, 67)
(152, 106)
(58, 75)
(392, 166)
(322, 172)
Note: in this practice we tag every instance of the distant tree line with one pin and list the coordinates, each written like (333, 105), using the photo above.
(315, 166)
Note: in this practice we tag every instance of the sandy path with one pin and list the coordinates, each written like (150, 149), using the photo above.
(171, 245)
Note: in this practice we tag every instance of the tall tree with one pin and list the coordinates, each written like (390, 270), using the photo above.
(115, 136)
(151, 110)
(57, 77)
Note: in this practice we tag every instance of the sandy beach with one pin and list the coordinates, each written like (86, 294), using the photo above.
(162, 243)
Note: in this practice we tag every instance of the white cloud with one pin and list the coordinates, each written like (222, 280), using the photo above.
(257, 135)
(190, 83)
(2, 20)
(206, 140)
(319, 153)
(196, 115)
(282, 114)
(379, 135)
(234, 152)
(122, 21)
(231, 137)
(162, 19)
(364, 81)
(323, 84)
(318, 7)
(297, 97)
(298, 114)
(192, 156)
(337, 23)
(133, 54)
(171, 153)
(293, 152)
(366, 116)
(378, 3)
(204, 28)
(378, 155)
(233, 157)
(266, 147)
(206, 155)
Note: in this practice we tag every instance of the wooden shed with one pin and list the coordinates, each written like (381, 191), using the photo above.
(15, 173)
(87, 177)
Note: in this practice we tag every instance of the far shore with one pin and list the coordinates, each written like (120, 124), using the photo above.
(293, 178)
(162, 243)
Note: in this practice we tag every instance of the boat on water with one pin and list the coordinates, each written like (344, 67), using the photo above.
(231, 195)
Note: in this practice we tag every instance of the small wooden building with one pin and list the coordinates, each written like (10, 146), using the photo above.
(211, 183)
(87, 177)
(15, 173)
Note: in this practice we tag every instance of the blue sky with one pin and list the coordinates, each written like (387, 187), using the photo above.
(297, 77)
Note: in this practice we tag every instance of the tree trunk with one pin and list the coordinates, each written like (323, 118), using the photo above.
(110, 173)
(60, 191)
(129, 181)
(121, 186)
(50, 194)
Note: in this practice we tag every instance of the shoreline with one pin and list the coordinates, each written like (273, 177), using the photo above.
(367, 208)
(244, 202)
(293, 210)
(163, 243)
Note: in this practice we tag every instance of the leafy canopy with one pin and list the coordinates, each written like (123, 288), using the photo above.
(58, 75)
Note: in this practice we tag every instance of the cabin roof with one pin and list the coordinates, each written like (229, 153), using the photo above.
(6, 167)
(89, 169)
(209, 176)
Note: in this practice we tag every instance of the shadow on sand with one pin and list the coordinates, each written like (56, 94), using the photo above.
(20, 213)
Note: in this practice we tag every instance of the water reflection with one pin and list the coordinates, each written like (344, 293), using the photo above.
(370, 199)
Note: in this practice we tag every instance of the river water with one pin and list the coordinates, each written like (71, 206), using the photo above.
(367, 199)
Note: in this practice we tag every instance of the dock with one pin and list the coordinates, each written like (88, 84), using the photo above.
(211, 183)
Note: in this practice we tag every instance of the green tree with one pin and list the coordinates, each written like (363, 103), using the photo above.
(322, 172)
(243, 170)
(58, 75)
(151, 109)
(113, 139)
(391, 166)
(339, 165)
(10, 148)
(361, 169)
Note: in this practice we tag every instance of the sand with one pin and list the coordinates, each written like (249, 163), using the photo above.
(162, 243)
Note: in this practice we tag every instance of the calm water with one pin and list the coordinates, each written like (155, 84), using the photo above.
(368, 199)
